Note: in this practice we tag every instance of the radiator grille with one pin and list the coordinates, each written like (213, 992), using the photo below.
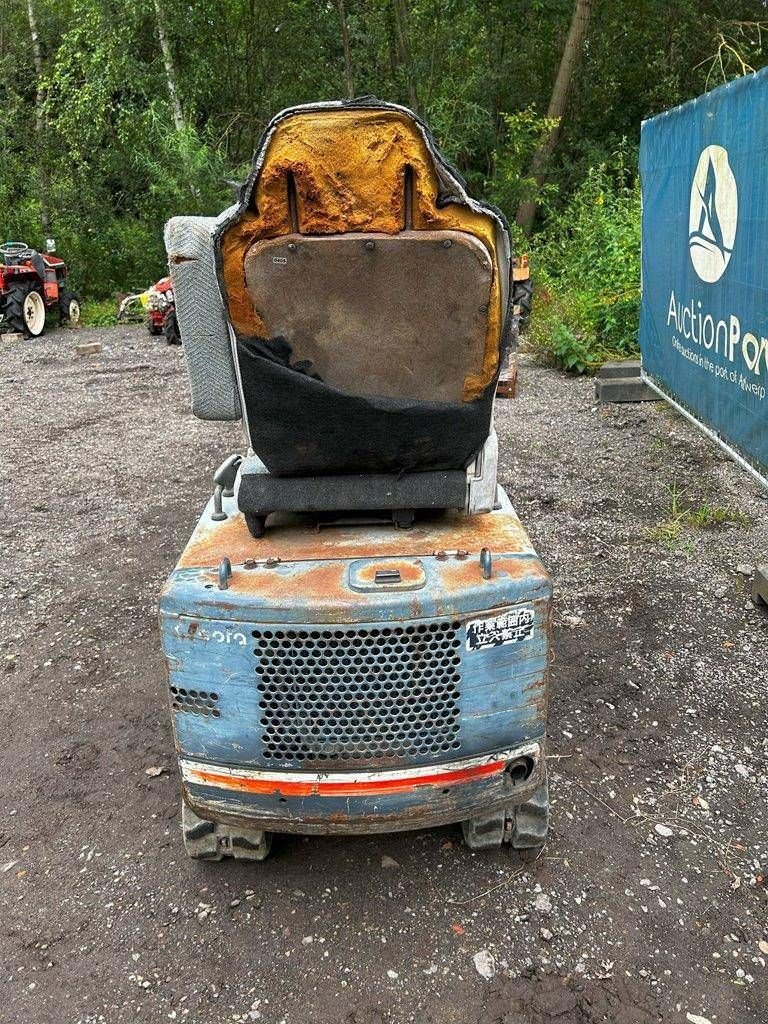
(352, 695)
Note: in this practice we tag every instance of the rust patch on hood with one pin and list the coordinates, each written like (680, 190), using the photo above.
(289, 542)
(318, 581)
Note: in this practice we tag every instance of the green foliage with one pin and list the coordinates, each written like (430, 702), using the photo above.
(587, 269)
(111, 167)
(97, 313)
(511, 182)
(571, 348)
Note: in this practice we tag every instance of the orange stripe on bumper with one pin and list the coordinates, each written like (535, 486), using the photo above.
(362, 788)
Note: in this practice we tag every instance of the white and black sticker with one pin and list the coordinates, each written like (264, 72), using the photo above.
(512, 627)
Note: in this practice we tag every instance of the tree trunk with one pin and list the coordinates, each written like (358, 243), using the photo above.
(347, 56)
(400, 12)
(569, 62)
(37, 56)
(170, 69)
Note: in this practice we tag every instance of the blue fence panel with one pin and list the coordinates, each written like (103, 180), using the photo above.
(704, 317)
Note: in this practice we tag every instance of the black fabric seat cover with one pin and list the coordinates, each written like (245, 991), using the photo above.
(301, 426)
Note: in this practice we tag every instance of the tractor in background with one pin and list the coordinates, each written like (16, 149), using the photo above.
(522, 288)
(31, 284)
(160, 306)
(522, 302)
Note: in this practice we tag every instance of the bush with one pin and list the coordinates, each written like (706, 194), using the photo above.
(587, 268)
(99, 314)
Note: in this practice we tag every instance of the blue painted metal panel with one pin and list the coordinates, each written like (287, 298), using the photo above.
(270, 595)
(502, 690)
(254, 686)
(704, 317)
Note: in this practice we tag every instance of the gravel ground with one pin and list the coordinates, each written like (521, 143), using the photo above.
(649, 903)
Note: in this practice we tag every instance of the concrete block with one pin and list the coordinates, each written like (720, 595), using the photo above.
(12, 336)
(624, 389)
(619, 368)
(88, 348)
(760, 585)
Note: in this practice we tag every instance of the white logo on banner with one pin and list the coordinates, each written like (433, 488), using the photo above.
(714, 214)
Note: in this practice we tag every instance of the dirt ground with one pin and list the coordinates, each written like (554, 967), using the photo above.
(649, 903)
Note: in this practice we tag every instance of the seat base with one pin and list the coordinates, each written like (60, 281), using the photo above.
(259, 494)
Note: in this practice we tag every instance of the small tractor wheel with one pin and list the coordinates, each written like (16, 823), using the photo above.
(171, 328)
(522, 296)
(24, 310)
(153, 328)
(69, 308)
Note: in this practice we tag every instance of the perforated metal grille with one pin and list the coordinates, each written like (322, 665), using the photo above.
(359, 694)
(196, 702)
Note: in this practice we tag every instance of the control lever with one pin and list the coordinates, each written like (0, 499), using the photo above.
(226, 474)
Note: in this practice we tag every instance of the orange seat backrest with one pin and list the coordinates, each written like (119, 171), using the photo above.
(335, 171)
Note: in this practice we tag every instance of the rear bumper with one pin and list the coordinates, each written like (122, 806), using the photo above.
(356, 802)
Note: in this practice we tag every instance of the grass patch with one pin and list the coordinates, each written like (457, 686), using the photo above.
(706, 516)
(681, 517)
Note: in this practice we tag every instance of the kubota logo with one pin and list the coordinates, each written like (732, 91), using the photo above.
(714, 214)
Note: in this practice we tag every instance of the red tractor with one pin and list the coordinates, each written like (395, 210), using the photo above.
(31, 283)
(162, 311)
(160, 307)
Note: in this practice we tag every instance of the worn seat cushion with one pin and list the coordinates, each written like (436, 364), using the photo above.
(304, 427)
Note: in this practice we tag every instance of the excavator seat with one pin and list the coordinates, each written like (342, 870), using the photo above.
(353, 308)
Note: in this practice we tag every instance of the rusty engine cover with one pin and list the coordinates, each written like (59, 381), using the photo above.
(354, 657)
